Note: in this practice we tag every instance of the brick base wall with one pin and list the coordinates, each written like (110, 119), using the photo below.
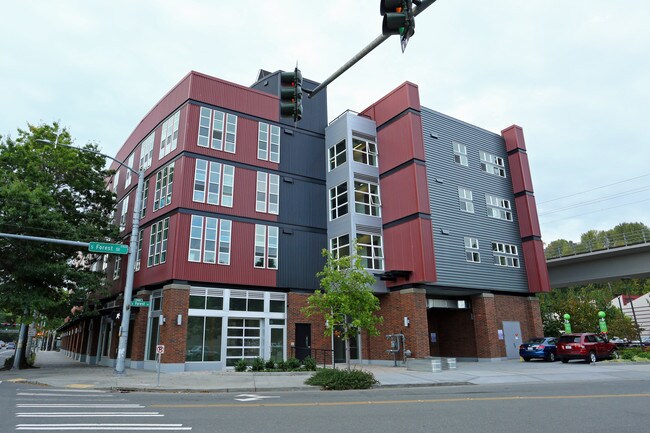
(175, 301)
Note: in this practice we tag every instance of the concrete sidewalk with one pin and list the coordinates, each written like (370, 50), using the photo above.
(57, 370)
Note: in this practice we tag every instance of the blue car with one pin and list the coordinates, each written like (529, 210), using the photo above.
(540, 347)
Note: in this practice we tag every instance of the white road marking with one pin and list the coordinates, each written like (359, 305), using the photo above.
(84, 414)
(47, 394)
(94, 406)
(254, 397)
(95, 427)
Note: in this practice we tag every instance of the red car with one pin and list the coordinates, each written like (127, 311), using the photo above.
(590, 347)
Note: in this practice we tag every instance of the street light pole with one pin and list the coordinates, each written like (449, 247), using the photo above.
(133, 250)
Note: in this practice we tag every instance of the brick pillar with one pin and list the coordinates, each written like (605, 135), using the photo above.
(414, 306)
(175, 301)
(139, 331)
(485, 326)
(534, 316)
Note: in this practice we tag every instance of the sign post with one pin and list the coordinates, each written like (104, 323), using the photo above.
(160, 349)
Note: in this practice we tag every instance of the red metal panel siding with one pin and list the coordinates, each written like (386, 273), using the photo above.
(400, 141)
(409, 246)
(536, 270)
(514, 137)
(240, 270)
(404, 193)
(527, 213)
(520, 172)
(403, 97)
(159, 273)
(234, 97)
(244, 192)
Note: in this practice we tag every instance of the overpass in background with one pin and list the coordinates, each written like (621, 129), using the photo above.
(600, 266)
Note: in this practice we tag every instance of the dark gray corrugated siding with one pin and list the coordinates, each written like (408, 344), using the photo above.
(444, 177)
(300, 259)
(303, 203)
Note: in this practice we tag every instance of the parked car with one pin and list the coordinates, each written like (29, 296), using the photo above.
(11, 345)
(539, 347)
(645, 341)
(2, 344)
(587, 346)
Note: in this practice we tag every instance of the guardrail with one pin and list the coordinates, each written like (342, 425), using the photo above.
(599, 243)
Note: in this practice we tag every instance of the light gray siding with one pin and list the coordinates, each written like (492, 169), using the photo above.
(450, 224)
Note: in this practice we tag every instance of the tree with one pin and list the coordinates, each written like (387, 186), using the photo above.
(52, 192)
(347, 302)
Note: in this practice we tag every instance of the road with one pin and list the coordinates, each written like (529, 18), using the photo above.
(577, 407)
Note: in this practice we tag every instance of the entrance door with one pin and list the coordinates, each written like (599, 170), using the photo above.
(303, 340)
(512, 338)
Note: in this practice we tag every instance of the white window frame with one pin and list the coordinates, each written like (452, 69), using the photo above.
(267, 244)
(116, 267)
(164, 187)
(230, 135)
(116, 180)
(334, 152)
(506, 255)
(340, 244)
(125, 210)
(371, 198)
(460, 153)
(267, 193)
(210, 240)
(138, 255)
(268, 142)
(492, 164)
(498, 208)
(144, 198)
(169, 135)
(129, 164)
(339, 200)
(364, 149)
(158, 243)
(376, 246)
(146, 152)
(465, 197)
(472, 254)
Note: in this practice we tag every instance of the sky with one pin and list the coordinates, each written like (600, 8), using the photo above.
(575, 75)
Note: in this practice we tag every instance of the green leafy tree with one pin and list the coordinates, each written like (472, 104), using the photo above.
(51, 192)
(346, 302)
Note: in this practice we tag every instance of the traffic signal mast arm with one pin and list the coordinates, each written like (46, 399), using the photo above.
(420, 6)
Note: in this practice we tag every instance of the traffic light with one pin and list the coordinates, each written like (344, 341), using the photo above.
(291, 94)
(398, 19)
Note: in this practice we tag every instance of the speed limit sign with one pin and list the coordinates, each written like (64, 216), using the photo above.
(160, 349)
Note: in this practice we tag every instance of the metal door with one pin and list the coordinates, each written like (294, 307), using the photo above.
(303, 340)
(512, 338)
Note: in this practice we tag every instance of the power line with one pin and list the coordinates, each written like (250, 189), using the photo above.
(596, 211)
(596, 200)
(594, 189)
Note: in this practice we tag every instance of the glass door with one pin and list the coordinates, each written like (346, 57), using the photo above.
(244, 340)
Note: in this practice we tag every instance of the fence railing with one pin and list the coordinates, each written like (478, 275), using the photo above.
(598, 243)
(321, 356)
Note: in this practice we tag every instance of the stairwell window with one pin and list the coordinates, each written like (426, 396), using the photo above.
(337, 155)
(340, 246)
(366, 198)
(371, 251)
(339, 201)
(364, 151)
(472, 253)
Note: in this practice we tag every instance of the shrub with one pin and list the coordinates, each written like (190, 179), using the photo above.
(241, 365)
(258, 364)
(282, 365)
(333, 379)
(270, 364)
(309, 363)
(630, 354)
(293, 364)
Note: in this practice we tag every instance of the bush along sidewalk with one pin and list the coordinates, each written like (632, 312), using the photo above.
(634, 354)
(260, 365)
(333, 379)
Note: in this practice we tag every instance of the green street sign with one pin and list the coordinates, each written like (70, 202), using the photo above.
(105, 248)
(137, 302)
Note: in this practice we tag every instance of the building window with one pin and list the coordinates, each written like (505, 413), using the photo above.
(138, 255)
(146, 152)
(460, 153)
(158, 243)
(125, 209)
(206, 238)
(203, 338)
(492, 164)
(339, 201)
(144, 198)
(337, 155)
(129, 164)
(230, 144)
(505, 255)
(471, 250)
(164, 184)
(266, 247)
(498, 207)
(465, 197)
(267, 198)
(340, 246)
(213, 183)
(364, 151)
(268, 143)
(370, 251)
(116, 180)
(116, 269)
(366, 198)
(169, 135)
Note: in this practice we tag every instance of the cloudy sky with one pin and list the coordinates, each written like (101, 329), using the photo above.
(575, 75)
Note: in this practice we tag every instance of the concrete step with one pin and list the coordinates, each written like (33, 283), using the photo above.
(431, 364)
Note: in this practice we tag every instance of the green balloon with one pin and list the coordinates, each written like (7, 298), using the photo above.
(567, 316)
(601, 314)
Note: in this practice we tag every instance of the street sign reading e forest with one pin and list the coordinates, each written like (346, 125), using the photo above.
(105, 248)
